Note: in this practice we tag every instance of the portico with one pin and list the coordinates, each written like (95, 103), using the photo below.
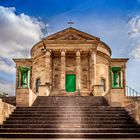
(67, 70)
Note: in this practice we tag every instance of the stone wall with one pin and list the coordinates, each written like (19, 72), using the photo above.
(102, 72)
(132, 105)
(85, 81)
(25, 97)
(9, 99)
(5, 110)
(102, 48)
(38, 71)
(56, 73)
(71, 64)
(117, 97)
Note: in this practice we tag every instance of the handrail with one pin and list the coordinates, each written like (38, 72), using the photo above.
(130, 92)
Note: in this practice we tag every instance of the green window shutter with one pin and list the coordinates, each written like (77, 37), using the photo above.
(115, 84)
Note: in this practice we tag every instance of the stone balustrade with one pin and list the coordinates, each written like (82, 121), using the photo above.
(5, 110)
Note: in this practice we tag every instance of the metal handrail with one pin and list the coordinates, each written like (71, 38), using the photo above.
(130, 92)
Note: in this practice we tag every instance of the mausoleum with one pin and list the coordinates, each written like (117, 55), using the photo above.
(70, 63)
(71, 87)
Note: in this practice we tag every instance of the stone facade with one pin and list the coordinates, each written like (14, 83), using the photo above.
(69, 58)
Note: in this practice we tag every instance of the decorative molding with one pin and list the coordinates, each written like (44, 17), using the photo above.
(63, 52)
(70, 37)
(78, 52)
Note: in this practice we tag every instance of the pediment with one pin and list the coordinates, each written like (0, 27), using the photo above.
(71, 34)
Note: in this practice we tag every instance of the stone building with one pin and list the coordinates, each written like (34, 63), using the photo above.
(70, 63)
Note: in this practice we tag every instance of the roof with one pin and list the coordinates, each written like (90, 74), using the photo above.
(71, 35)
(72, 30)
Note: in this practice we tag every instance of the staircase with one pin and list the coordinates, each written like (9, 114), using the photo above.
(70, 101)
(70, 117)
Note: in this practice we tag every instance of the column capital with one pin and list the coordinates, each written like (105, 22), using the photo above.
(92, 51)
(78, 52)
(124, 67)
(63, 52)
(48, 52)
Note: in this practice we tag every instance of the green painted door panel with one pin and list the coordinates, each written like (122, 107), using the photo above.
(70, 82)
(116, 79)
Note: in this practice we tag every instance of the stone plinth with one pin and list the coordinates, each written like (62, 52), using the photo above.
(117, 97)
(5, 110)
(44, 90)
(97, 90)
(24, 97)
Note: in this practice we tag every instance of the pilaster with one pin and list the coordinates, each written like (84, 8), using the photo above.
(78, 69)
(124, 78)
(92, 68)
(63, 70)
(48, 66)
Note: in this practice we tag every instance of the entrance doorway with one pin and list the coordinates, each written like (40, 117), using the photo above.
(70, 82)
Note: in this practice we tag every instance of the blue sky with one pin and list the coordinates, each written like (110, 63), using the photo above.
(116, 22)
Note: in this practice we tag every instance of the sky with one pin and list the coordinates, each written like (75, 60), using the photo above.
(23, 23)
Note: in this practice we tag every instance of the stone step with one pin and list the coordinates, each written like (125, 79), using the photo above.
(88, 121)
(70, 135)
(70, 107)
(67, 118)
(69, 115)
(70, 130)
(63, 125)
(69, 112)
(76, 100)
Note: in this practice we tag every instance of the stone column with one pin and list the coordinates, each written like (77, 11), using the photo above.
(46, 80)
(124, 78)
(78, 70)
(63, 71)
(92, 68)
(48, 67)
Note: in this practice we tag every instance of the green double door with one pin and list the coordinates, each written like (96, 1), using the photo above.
(70, 82)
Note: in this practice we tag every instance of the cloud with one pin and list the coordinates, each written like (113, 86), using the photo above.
(18, 33)
(134, 34)
(136, 53)
(7, 88)
(6, 68)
